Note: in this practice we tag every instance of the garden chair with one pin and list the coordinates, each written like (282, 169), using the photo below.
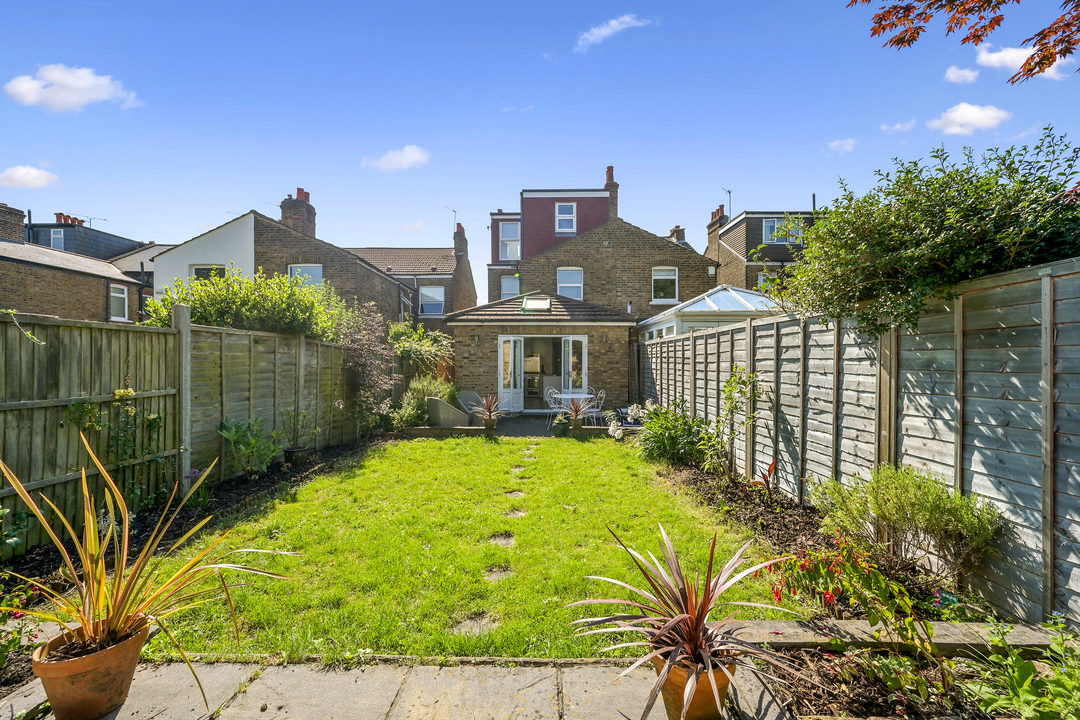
(554, 405)
(596, 414)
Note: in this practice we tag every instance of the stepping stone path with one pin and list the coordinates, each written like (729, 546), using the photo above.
(496, 574)
(515, 494)
(476, 625)
(503, 540)
(516, 514)
(518, 468)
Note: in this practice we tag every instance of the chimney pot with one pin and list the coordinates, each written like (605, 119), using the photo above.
(460, 228)
(611, 173)
(499, 210)
(59, 217)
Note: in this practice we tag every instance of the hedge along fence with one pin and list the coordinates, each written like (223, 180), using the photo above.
(175, 373)
(984, 394)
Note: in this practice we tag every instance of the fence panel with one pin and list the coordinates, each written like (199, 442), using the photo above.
(984, 394)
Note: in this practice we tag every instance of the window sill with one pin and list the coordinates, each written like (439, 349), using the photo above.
(664, 302)
(121, 320)
(431, 317)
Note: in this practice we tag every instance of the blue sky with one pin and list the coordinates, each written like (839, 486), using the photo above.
(212, 109)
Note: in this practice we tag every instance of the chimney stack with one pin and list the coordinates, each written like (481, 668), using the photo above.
(613, 188)
(11, 224)
(298, 213)
(678, 233)
(461, 243)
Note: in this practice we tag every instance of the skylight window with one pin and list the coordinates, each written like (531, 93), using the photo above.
(534, 304)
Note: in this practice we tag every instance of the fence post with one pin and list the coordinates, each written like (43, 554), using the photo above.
(958, 396)
(300, 350)
(801, 465)
(837, 389)
(1047, 386)
(748, 453)
(886, 361)
(776, 400)
(693, 375)
(181, 322)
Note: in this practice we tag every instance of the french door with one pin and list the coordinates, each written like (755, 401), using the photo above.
(575, 363)
(511, 373)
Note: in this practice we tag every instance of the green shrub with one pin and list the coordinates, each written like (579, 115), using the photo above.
(899, 510)
(252, 449)
(420, 347)
(670, 434)
(413, 411)
(277, 304)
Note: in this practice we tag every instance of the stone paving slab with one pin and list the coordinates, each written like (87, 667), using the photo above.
(592, 693)
(312, 692)
(478, 693)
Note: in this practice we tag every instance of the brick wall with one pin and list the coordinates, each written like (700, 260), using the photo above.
(476, 356)
(43, 290)
(11, 224)
(449, 298)
(278, 246)
(538, 221)
(495, 274)
(617, 261)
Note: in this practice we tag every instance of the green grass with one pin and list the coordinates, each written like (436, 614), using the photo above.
(397, 548)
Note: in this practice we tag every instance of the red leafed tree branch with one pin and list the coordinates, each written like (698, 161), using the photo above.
(907, 21)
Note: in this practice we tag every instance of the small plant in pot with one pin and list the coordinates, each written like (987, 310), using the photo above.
(695, 658)
(489, 411)
(560, 427)
(299, 437)
(577, 410)
(87, 670)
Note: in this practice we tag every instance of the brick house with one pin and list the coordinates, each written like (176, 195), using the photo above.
(734, 241)
(572, 245)
(441, 277)
(43, 281)
(74, 235)
(518, 347)
(285, 247)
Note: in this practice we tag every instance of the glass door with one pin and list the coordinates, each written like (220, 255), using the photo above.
(511, 375)
(575, 364)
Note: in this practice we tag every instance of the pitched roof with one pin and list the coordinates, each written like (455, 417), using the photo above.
(719, 300)
(62, 260)
(409, 261)
(129, 261)
(562, 310)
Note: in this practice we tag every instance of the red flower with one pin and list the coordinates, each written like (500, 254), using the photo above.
(18, 614)
(778, 594)
(829, 597)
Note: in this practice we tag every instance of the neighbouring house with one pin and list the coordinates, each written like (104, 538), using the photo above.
(518, 347)
(734, 243)
(442, 277)
(572, 246)
(138, 264)
(287, 246)
(720, 306)
(74, 235)
(43, 281)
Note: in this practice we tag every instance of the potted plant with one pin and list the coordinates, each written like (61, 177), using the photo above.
(489, 411)
(577, 410)
(695, 658)
(560, 427)
(298, 437)
(87, 670)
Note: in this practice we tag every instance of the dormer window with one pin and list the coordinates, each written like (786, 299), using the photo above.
(56, 239)
(769, 227)
(510, 241)
(566, 217)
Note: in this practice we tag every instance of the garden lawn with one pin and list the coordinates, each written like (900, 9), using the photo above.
(397, 549)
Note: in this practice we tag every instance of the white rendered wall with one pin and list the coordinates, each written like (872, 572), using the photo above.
(233, 242)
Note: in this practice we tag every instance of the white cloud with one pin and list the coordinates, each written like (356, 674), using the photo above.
(407, 157)
(25, 176)
(965, 119)
(599, 33)
(418, 225)
(841, 147)
(1010, 58)
(961, 76)
(60, 88)
(898, 127)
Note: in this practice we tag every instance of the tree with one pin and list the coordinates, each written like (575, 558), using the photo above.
(924, 228)
(907, 21)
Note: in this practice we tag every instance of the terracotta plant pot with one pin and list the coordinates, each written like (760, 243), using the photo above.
(91, 686)
(703, 704)
(296, 456)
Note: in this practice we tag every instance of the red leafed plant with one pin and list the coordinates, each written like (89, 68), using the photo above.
(488, 408)
(578, 408)
(674, 616)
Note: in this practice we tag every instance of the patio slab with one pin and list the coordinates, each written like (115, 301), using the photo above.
(450, 693)
(592, 693)
(312, 692)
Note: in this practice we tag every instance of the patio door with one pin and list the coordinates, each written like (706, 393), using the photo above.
(511, 373)
(575, 363)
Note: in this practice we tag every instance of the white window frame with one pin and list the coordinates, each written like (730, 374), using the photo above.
(572, 218)
(767, 237)
(293, 270)
(665, 301)
(193, 268)
(506, 243)
(442, 303)
(581, 286)
(113, 294)
(502, 288)
(54, 235)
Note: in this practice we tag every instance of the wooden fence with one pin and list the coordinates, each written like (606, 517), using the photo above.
(180, 374)
(984, 394)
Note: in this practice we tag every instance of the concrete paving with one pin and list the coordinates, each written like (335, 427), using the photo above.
(312, 692)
